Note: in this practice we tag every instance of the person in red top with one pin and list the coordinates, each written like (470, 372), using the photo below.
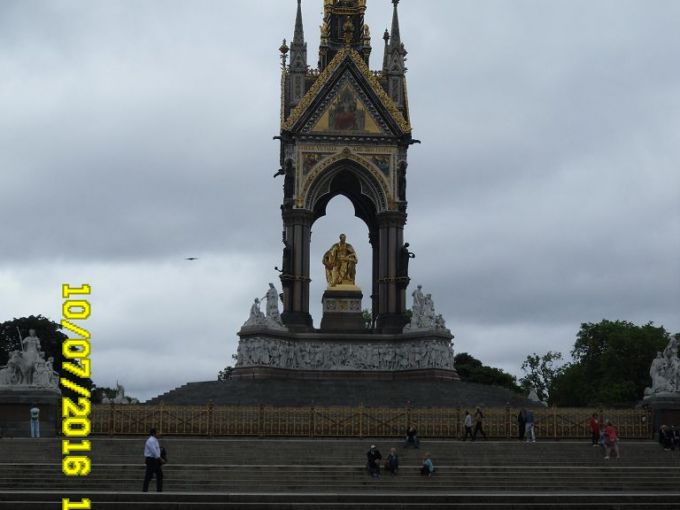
(611, 440)
(595, 429)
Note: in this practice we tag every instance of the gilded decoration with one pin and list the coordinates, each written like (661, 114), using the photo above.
(325, 75)
(385, 185)
(346, 114)
(345, 109)
(340, 262)
(311, 159)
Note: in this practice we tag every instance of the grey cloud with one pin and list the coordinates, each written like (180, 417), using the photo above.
(545, 193)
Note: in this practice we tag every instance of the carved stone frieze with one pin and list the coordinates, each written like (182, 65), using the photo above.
(272, 352)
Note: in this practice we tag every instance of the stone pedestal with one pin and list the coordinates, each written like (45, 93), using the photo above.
(342, 310)
(418, 355)
(15, 406)
(665, 409)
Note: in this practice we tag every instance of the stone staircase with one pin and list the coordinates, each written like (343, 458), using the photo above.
(263, 473)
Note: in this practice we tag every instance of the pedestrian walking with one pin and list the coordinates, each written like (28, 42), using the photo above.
(611, 441)
(521, 423)
(594, 429)
(479, 424)
(529, 427)
(467, 423)
(152, 458)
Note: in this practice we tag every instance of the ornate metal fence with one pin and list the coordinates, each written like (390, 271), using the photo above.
(319, 422)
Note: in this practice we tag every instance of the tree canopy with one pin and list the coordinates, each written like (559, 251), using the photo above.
(470, 369)
(540, 373)
(611, 361)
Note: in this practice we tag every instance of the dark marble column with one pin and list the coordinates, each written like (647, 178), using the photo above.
(295, 278)
(391, 302)
(373, 239)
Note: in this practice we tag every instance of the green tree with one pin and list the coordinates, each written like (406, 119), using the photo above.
(51, 337)
(225, 374)
(368, 318)
(611, 361)
(99, 392)
(470, 369)
(540, 372)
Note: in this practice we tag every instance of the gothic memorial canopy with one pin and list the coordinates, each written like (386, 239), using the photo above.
(345, 130)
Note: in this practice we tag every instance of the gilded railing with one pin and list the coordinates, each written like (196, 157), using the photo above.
(319, 422)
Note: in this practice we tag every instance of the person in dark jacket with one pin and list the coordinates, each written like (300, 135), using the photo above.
(392, 462)
(521, 423)
(412, 437)
(479, 424)
(666, 437)
(373, 464)
(595, 429)
(675, 434)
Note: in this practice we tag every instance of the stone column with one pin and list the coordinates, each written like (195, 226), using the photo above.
(373, 239)
(295, 282)
(391, 302)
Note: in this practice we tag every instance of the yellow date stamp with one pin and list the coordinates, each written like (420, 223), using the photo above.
(75, 414)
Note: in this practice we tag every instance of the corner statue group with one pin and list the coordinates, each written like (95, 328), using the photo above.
(340, 263)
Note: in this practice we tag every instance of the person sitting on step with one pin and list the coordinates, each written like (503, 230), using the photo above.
(427, 469)
(373, 455)
(392, 462)
(666, 437)
(412, 437)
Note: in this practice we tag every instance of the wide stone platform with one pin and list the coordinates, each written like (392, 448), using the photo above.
(238, 473)
(284, 392)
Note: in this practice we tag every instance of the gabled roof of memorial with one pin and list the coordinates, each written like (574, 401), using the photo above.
(347, 59)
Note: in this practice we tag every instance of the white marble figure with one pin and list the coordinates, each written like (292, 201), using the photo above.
(257, 318)
(41, 377)
(31, 355)
(28, 366)
(533, 397)
(423, 315)
(6, 375)
(665, 371)
(273, 319)
(272, 298)
(418, 303)
(120, 397)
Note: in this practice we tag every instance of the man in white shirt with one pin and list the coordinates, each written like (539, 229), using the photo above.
(35, 421)
(152, 457)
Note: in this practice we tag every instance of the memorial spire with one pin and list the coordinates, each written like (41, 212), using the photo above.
(298, 47)
(297, 70)
(395, 35)
(394, 68)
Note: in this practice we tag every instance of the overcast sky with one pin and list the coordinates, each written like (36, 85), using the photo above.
(546, 192)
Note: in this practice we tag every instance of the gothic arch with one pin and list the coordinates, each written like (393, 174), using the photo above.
(352, 177)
